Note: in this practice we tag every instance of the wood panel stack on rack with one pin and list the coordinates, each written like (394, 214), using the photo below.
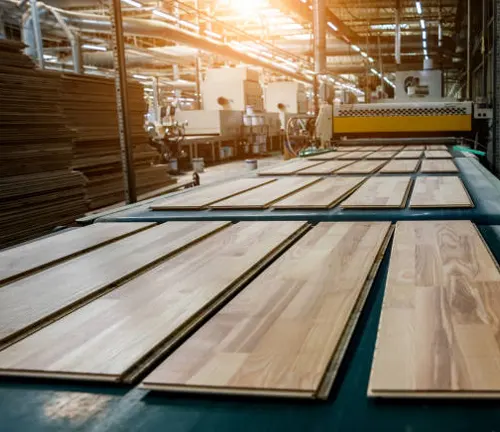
(38, 190)
(89, 105)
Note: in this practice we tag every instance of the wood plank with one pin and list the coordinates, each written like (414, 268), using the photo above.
(362, 167)
(438, 165)
(325, 168)
(26, 258)
(28, 302)
(354, 155)
(289, 167)
(281, 341)
(436, 147)
(437, 154)
(266, 195)
(409, 154)
(440, 191)
(380, 192)
(438, 331)
(401, 166)
(324, 156)
(348, 148)
(371, 148)
(322, 195)
(115, 333)
(382, 155)
(415, 147)
(200, 197)
(393, 147)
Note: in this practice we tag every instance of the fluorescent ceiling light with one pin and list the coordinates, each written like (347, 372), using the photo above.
(164, 15)
(148, 89)
(424, 35)
(142, 77)
(364, 54)
(90, 67)
(387, 26)
(94, 47)
(213, 34)
(48, 57)
(133, 3)
(303, 1)
(332, 26)
(356, 48)
(422, 24)
(310, 7)
(370, 59)
(424, 44)
(419, 7)
(374, 71)
(425, 52)
(302, 36)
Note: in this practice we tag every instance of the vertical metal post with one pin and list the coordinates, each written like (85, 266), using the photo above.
(469, 20)
(77, 55)
(122, 102)
(381, 64)
(484, 84)
(38, 33)
(198, 81)
(319, 22)
(156, 98)
(397, 34)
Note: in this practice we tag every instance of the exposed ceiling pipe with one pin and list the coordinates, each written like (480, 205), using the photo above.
(319, 27)
(397, 33)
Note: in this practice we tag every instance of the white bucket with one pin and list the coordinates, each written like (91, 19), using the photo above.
(251, 164)
(173, 165)
(247, 120)
(198, 165)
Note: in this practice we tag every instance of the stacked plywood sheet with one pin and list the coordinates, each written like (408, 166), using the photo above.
(89, 105)
(38, 191)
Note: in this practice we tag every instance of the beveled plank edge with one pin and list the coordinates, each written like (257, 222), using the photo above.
(58, 375)
(229, 391)
(55, 316)
(266, 205)
(328, 206)
(458, 394)
(471, 203)
(330, 375)
(171, 342)
(417, 167)
(45, 266)
(180, 207)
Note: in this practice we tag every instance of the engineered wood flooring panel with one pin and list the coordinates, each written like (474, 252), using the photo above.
(348, 148)
(283, 341)
(438, 331)
(370, 148)
(437, 154)
(436, 147)
(28, 302)
(322, 195)
(289, 167)
(199, 197)
(393, 147)
(440, 191)
(401, 166)
(324, 156)
(380, 192)
(354, 155)
(382, 155)
(35, 255)
(129, 327)
(326, 168)
(265, 195)
(415, 147)
(438, 165)
(362, 167)
(409, 154)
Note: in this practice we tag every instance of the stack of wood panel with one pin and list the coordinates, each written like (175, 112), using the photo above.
(89, 105)
(38, 190)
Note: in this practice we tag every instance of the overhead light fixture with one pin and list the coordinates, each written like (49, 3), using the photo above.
(388, 26)
(148, 89)
(424, 35)
(213, 34)
(374, 71)
(303, 1)
(310, 7)
(188, 24)
(422, 24)
(364, 54)
(133, 3)
(94, 47)
(164, 15)
(425, 52)
(419, 7)
(356, 48)
(332, 26)
(424, 44)
(141, 77)
(90, 67)
(370, 59)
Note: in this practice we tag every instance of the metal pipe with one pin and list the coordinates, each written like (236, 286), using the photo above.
(469, 20)
(397, 33)
(73, 40)
(122, 103)
(38, 32)
(319, 24)
(381, 65)
(198, 82)
(156, 98)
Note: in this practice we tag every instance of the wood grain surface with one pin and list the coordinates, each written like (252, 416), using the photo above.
(280, 341)
(438, 331)
(107, 337)
(288, 168)
(324, 194)
(380, 192)
(264, 196)
(401, 166)
(436, 147)
(325, 168)
(415, 147)
(38, 254)
(409, 154)
(29, 301)
(324, 156)
(362, 167)
(354, 155)
(437, 154)
(393, 147)
(438, 165)
(370, 148)
(348, 148)
(440, 191)
(382, 155)
(199, 197)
